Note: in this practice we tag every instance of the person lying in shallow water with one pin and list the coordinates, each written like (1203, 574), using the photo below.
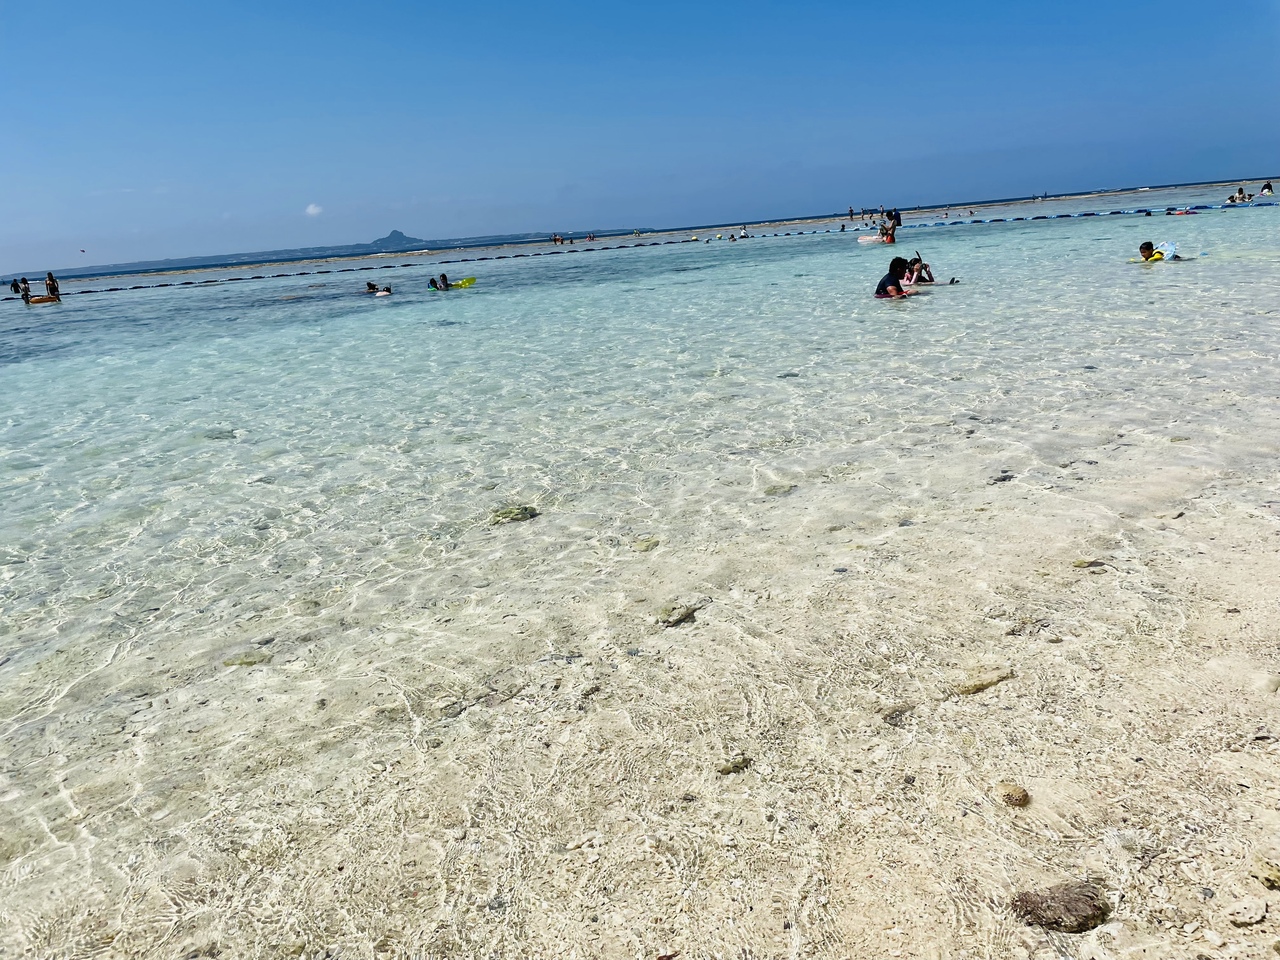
(918, 271)
(1150, 253)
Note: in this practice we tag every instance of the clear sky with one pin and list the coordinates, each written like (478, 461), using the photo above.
(148, 130)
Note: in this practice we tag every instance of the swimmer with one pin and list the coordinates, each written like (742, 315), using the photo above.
(1267, 190)
(1150, 254)
(891, 286)
(432, 284)
(444, 282)
(371, 287)
(918, 271)
(384, 292)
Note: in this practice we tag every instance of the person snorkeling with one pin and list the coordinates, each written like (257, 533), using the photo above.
(918, 271)
(891, 286)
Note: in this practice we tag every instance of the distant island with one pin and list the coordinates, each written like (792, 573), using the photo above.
(393, 242)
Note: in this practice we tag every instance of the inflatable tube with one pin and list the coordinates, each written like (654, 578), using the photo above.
(871, 239)
(43, 299)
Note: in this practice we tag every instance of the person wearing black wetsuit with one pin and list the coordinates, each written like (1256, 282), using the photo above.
(890, 286)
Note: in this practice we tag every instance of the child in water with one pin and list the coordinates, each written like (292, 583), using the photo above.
(1151, 254)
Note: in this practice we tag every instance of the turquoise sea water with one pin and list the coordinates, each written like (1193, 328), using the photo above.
(169, 455)
(290, 473)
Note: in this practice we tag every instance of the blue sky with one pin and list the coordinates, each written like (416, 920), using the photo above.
(148, 130)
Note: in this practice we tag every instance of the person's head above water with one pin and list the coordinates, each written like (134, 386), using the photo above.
(898, 267)
(1146, 248)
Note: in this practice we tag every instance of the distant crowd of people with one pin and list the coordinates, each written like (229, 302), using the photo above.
(22, 287)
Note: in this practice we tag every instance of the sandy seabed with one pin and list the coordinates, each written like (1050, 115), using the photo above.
(529, 764)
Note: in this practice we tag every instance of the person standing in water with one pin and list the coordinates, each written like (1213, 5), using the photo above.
(51, 285)
(15, 286)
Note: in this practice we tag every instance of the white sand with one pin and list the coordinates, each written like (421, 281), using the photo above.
(526, 766)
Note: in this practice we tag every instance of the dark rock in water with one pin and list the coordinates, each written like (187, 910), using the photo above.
(219, 434)
(680, 611)
(787, 376)
(1266, 868)
(1003, 477)
(513, 514)
(266, 481)
(979, 680)
(735, 765)
(1068, 907)
(897, 718)
(779, 489)
(250, 659)
(1012, 795)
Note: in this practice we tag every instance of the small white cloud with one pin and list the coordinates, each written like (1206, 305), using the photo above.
(314, 210)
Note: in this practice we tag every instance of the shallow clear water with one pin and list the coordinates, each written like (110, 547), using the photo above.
(179, 464)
